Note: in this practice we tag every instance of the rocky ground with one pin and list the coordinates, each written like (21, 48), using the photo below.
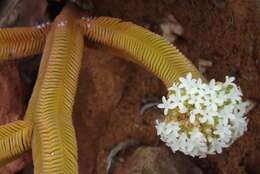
(115, 133)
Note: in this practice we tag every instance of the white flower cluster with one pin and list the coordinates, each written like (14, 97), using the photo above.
(202, 118)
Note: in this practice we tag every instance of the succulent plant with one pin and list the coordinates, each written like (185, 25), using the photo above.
(47, 127)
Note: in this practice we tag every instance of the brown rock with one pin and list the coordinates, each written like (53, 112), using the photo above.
(11, 106)
(16, 165)
(157, 160)
(102, 80)
(11, 93)
(22, 12)
(106, 110)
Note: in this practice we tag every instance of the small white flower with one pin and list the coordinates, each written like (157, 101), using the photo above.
(178, 101)
(187, 82)
(210, 102)
(207, 116)
(227, 114)
(183, 142)
(193, 115)
(229, 81)
(221, 97)
(212, 87)
(159, 127)
(197, 100)
(239, 126)
(166, 105)
(212, 116)
(223, 131)
(173, 88)
(215, 145)
(197, 142)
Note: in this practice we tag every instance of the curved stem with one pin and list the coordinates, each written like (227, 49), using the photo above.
(50, 109)
(15, 138)
(20, 42)
(140, 46)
